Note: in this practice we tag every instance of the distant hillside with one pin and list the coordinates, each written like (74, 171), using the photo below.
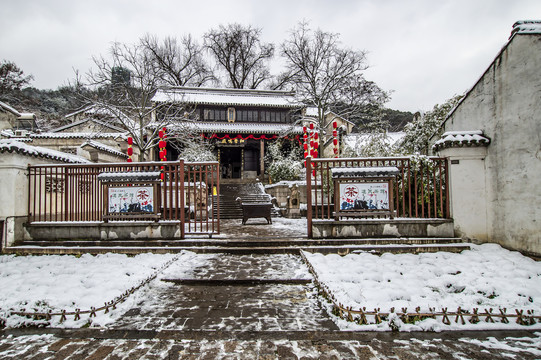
(50, 106)
(397, 119)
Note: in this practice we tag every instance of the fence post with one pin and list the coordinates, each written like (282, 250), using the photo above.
(181, 204)
(309, 195)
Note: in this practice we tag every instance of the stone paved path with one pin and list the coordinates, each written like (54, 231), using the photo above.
(224, 298)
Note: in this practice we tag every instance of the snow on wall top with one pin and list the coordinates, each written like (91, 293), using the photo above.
(130, 176)
(233, 97)
(461, 138)
(365, 171)
(244, 128)
(102, 147)
(527, 27)
(10, 145)
(9, 108)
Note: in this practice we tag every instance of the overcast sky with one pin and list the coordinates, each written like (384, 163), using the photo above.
(425, 51)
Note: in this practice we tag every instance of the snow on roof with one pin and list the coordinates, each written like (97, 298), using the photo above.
(461, 138)
(9, 133)
(10, 145)
(526, 27)
(10, 109)
(102, 147)
(365, 171)
(243, 128)
(64, 127)
(229, 97)
(81, 135)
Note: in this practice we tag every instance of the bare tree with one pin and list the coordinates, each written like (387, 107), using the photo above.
(178, 63)
(123, 87)
(326, 75)
(239, 52)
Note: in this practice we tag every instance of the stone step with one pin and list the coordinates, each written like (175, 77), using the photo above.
(341, 250)
(260, 242)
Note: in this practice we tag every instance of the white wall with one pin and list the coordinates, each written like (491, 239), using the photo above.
(506, 105)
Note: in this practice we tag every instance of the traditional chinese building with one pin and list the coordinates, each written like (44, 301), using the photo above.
(241, 123)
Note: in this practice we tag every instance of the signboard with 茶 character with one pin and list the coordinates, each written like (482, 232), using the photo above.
(131, 199)
(362, 192)
(131, 195)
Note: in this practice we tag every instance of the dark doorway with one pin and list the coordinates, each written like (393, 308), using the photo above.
(230, 162)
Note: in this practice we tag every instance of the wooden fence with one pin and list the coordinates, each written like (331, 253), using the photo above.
(420, 191)
(74, 193)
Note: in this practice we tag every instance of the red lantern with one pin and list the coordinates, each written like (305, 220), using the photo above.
(316, 144)
(130, 151)
(306, 154)
(335, 133)
(316, 136)
(305, 136)
(305, 147)
(335, 142)
(161, 144)
(311, 126)
(311, 143)
(130, 140)
(160, 134)
(130, 160)
(336, 151)
(162, 176)
(162, 155)
(304, 129)
(334, 124)
(164, 129)
(164, 152)
(314, 173)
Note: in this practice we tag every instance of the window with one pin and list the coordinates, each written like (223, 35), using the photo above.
(231, 114)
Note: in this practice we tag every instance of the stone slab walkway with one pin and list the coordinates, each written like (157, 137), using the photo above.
(225, 299)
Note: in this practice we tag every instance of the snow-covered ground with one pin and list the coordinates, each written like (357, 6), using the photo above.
(58, 282)
(486, 277)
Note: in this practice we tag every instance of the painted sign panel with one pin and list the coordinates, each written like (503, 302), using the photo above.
(131, 199)
(364, 196)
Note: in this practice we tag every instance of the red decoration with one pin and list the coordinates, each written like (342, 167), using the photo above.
(316, 144)
(162, 176)
(311, 126)
(130, 151)
(164, 129)
(316, 136)
(304, 129)
(334, 124)
(130, 159)
(335, 133)
(305, 147)
(335, 141)
(160, 134)
(130, 140)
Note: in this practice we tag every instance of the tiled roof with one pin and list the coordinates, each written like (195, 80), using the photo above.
(81, 135)
(461, 138)
(227, 97)
(102, 147)
(527, 27)
(11, 146)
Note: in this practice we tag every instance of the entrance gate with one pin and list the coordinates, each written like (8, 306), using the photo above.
(74, 193)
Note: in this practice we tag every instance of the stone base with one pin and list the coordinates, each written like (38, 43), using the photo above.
(102, 231)
(369, 228)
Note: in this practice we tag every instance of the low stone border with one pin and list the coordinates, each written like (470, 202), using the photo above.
(93, 310)
(361, 316)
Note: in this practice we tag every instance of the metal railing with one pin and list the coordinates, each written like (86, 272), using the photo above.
(420, 191)
(73, 193)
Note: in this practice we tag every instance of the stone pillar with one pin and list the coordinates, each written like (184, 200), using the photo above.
(262, 157)
(468, 191)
